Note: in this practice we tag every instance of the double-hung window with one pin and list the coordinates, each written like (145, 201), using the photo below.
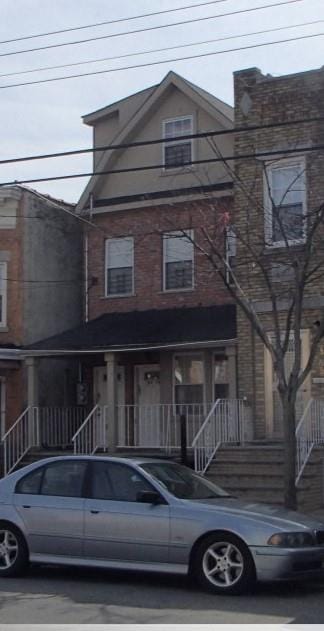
(119, 266)
(285, 202)
(177, 153)
(178, 252)
(189, 378)
(3, 294)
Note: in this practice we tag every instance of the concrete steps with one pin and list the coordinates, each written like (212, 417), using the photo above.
(255, 473)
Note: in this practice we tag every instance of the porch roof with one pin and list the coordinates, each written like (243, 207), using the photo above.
(135, 330)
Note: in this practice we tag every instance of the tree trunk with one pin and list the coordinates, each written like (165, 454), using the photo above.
(289, 416)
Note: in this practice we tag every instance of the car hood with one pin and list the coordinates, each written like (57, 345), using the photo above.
(266, 513)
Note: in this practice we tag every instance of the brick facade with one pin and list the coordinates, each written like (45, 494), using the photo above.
(265, 100)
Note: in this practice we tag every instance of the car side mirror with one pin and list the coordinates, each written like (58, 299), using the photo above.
(149, 497)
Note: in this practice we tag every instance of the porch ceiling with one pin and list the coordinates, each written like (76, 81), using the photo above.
(155, 328)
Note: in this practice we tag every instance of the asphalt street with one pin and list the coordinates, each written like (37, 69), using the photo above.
(52, 595)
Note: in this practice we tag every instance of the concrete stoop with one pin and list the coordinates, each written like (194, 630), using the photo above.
(255, 473)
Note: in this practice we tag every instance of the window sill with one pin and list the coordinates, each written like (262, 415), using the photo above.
(113, 296)
(184, 170)
(176, 291)
(281, 247)
(3, 328)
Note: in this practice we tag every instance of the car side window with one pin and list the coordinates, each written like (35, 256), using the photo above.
(113, 480)
(64, 478)
(30, 483)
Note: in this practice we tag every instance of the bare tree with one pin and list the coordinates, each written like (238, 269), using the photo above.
(280, 244)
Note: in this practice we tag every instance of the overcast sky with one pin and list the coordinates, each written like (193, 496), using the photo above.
(46, 118)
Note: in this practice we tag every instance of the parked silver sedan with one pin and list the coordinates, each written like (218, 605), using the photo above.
(149, 514)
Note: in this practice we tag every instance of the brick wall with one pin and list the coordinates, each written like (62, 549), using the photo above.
(147, 225)
(263, 100)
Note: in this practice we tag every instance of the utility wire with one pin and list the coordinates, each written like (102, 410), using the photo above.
(107, 22)
(151, 167)
(156, 141)
(160, 50)
(149, 28)
(158, 63)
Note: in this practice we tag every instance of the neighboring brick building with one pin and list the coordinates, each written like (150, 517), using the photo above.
(40, 290)
(265, 100)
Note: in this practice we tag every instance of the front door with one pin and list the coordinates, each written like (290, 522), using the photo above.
(147, 385)
(274, 412)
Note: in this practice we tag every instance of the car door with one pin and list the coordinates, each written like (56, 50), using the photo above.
(51, 504)
(117, 526)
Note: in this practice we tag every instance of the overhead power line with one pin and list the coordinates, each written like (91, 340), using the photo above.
(157, 141)
(151, 167)
(161, 62)
(149, 28)
(107, 22)
(160, 50)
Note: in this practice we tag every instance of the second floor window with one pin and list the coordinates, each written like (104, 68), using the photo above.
(285, 202)
(177, 153)
(119, 266)
(3, 294)
(178, 253)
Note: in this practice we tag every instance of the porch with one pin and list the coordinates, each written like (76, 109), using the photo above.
(161, 428)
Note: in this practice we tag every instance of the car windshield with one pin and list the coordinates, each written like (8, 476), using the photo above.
(183, 482)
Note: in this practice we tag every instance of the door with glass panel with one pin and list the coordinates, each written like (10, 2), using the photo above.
(189, 393)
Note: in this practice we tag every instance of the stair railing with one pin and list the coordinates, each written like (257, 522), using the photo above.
(91, 435)
(20, 438)
(309, 433)
(223, 424)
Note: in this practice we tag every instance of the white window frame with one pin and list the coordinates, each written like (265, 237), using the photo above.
(267, 184)
(230, 252)
(178, 234)
(175, 142)
(3, 293)
(110, 295)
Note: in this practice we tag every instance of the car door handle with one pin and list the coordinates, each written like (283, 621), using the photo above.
(94, 512)
(26, 506)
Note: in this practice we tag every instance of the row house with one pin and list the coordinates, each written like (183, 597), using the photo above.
(40, 239)
(159, 338)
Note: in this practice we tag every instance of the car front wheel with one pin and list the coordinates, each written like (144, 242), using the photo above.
(13, 551)
(223, 565)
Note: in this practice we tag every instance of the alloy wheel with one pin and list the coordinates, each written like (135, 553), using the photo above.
(223, 564)
(8, 549)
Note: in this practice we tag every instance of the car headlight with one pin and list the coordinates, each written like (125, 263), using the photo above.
(291, 539)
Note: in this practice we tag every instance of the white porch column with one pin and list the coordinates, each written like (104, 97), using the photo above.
(32, 400)
(112, 421)
(232, 372)
(32, 381)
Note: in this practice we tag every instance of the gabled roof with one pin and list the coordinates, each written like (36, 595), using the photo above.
(155, 328)
(214, 106)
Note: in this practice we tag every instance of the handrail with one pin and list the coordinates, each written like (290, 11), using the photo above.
(20, 438)
(11, 429)
(223, 424)
(91, 435)
(309, 433)
(85, 422)
(206, 421)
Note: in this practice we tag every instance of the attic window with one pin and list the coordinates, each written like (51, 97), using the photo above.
(177, 153)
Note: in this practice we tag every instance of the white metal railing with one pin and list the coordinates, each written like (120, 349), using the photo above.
(57, 425)
(91, 435)
(224, 424)
(20, 438)
(158, 425)
(309, 432)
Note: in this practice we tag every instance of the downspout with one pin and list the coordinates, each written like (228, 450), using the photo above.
(86, 264)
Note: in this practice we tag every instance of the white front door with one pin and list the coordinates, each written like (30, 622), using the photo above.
(147, 393)
(100, 385)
